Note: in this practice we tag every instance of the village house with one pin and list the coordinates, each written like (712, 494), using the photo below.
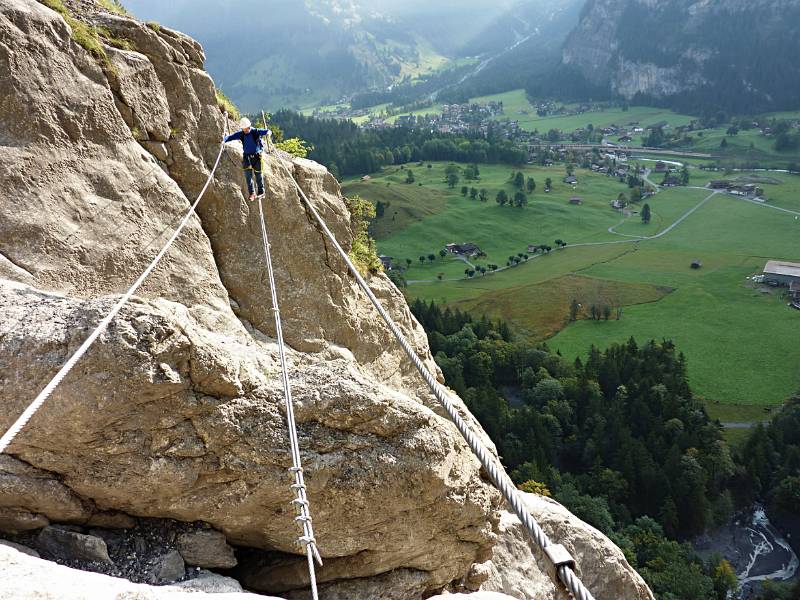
(386, 261)
(720, 184)
(661, 167)
(571, 180)
(671, 181)
(625, 139)
(782, 273)
(533, 248)
(465, 249)
(748, 190)
(618, 204)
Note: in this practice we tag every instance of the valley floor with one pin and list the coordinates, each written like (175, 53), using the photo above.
(737, 335)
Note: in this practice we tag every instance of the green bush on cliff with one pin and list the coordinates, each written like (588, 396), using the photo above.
(114, 6)
(364, 253)
(227, 105)
(85, 35)
(112, 40)
(294, 146)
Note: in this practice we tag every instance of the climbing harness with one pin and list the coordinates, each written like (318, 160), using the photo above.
(26, 416)
(299, 486)
(557, 554)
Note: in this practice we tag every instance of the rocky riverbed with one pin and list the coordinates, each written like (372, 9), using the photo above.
(755, 548)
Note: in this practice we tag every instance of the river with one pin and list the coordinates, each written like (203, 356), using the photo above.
(756, 550)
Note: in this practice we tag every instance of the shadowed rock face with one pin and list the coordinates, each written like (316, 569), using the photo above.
(673, 49)
(176, 412)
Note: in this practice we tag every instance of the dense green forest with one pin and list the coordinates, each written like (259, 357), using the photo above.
(347, 150)
(620, 440)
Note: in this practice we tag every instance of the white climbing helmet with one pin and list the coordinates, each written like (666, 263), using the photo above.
(245, 123)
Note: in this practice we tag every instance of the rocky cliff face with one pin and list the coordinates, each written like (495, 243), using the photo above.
(176, 412)
(734, 53)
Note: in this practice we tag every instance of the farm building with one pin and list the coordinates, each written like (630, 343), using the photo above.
(661, 167)
(748, 190)
(465, 249)
(782, 273)
(618, 204)
(720, 184)
(533, 248)
(794, 291)
(386, 261)
(571, 179)
(576, 200)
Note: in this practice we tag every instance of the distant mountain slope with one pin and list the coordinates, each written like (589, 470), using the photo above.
(522, 44)
(296, 53)
(739, 55)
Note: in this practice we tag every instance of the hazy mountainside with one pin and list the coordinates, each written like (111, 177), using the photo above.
(298, 54)
(730, 54)
(545, 20)
(522, 44)
(288, 53)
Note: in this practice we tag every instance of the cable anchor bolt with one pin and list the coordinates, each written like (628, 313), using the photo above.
(559, 556)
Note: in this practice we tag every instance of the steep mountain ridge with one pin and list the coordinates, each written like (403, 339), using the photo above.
(721, 54)
(176, 411)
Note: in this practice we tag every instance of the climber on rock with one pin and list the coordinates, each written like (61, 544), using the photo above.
(251, 138)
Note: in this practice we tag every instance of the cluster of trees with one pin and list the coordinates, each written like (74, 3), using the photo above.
(618, 438)
(480, 269)
(597, 312)
(474, 193)
(786, 139)
(453, 174)
(771, 460)
(519, 199)
(347, 150)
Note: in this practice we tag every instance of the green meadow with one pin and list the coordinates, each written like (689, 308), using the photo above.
(740, 338)
(517, 108)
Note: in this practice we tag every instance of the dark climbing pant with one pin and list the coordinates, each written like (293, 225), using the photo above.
(251, 163)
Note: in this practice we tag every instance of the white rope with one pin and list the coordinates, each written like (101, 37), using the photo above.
(299, 486)
(37, 403)
(496, 471)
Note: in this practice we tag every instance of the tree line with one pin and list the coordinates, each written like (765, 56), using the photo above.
(620, 440)
(345, 149)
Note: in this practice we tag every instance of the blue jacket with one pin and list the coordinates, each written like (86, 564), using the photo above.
(252, 141)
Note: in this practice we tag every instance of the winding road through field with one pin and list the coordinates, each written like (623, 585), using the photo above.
(628, 239)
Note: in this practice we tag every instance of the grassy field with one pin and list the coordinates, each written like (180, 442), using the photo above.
(740, 339)
(499, 231)
(518, 108)
(405, 204)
